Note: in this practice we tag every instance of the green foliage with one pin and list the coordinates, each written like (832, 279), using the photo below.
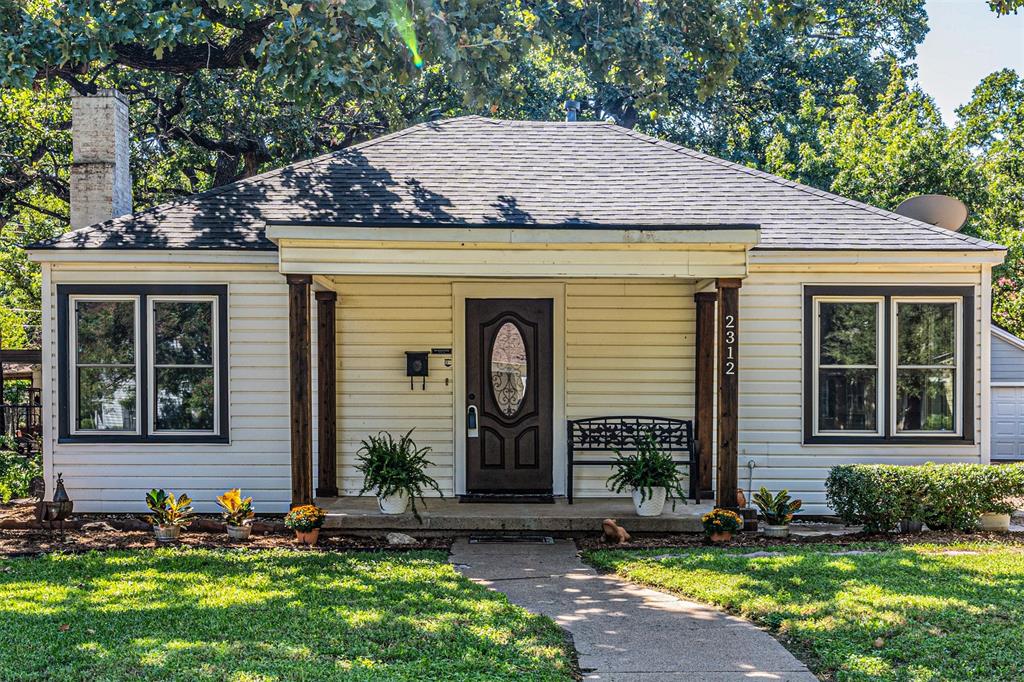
(392, 466)
(180, 614)
(945, 496)
(169, 510)
(647, 468)
(16, 471)
(944, 612)
(777, 509)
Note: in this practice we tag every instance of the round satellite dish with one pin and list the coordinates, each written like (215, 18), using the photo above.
(935, 209)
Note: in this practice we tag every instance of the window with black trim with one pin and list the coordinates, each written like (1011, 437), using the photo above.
(888, 364)
(142, 363)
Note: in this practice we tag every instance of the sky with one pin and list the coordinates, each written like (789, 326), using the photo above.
(967, 41)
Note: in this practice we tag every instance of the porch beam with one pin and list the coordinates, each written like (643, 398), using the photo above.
(704, 390)
(327, 413)
(299, 356)
(728, 391)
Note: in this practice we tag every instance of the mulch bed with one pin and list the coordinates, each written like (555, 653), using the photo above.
(683, 540)
(21, 535)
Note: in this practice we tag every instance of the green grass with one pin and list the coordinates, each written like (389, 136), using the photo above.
(176, 614)
(940, 616)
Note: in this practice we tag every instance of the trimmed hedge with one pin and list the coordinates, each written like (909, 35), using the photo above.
(945, 496)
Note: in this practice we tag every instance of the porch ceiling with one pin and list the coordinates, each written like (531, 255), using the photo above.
(531, 251)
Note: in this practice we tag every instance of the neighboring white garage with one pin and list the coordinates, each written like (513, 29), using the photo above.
(1007, 396)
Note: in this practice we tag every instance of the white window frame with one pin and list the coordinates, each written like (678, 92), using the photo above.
(73, 365)
(879, 302)
(151, 366)
(958, 351)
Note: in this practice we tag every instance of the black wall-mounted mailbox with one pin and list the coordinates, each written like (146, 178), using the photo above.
(416, 365)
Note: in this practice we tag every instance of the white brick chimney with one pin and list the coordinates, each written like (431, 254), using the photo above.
(101, 183)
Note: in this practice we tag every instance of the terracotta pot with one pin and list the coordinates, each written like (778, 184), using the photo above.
(721, 536)
(653, 505)
(998, 523)
(394, 504)
(239, 532)
(780, 531)
(308, 537)
(167, 533)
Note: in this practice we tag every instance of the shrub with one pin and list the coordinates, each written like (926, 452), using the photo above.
(16, 473)
(945, 496)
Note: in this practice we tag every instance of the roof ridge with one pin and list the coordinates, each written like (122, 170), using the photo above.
(214, 191)
(837, 198)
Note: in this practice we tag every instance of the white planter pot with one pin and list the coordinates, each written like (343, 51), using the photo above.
(998, 523)
(653, 505)
(167, 533)
(239, 532)
(771, 531)
(393, 504)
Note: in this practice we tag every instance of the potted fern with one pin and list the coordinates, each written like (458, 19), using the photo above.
(238, 514)
(650, 476)
(170, 514)
(777, 510)
(395, 470)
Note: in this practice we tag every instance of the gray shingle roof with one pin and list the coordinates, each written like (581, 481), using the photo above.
(473, 171)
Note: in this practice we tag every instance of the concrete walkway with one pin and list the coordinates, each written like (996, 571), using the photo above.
(626, 633)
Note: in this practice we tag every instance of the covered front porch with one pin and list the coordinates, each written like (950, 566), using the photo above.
(613, 323)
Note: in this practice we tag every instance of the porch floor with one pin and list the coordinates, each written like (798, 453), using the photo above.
(446, 516)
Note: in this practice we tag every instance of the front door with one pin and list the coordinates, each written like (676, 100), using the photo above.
(509, 396)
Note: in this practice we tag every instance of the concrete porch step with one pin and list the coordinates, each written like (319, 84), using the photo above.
(360, 515)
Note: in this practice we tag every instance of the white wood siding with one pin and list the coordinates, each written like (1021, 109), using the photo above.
(771, 383)
(115, 477)
(628, 350)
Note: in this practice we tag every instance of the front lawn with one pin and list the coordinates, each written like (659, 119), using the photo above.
(907, 612)
(178, 614)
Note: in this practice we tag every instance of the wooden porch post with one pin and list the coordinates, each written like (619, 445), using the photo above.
(301, 388)
(327, 416)
(728, 391)
(704, 390)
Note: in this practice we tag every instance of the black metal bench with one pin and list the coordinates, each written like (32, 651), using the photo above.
(624, 434)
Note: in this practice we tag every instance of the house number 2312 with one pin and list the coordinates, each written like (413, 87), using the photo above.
(730, 344)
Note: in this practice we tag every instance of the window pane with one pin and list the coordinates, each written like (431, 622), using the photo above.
(848, 334)
(925, 399)
(927, 333)
(106, 332)
(106, 398)
(847, 400)
(183, 332)
(184, 398)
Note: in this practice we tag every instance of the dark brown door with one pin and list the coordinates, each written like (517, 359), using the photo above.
(508, 387)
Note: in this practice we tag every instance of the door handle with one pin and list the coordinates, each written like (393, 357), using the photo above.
(472, 427)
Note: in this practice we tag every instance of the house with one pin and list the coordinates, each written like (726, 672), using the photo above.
(254, 334)
(1007, 396)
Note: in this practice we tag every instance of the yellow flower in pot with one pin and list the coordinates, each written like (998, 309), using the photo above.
(720, 524)
(306, 521)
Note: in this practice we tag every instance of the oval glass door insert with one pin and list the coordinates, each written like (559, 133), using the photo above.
(508, 369)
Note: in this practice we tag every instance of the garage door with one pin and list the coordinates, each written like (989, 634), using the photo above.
(1008, 422)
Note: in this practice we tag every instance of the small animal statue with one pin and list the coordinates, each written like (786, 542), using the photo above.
(741, 499)
(614, 533)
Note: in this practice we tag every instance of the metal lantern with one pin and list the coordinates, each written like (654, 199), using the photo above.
(59, 509)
